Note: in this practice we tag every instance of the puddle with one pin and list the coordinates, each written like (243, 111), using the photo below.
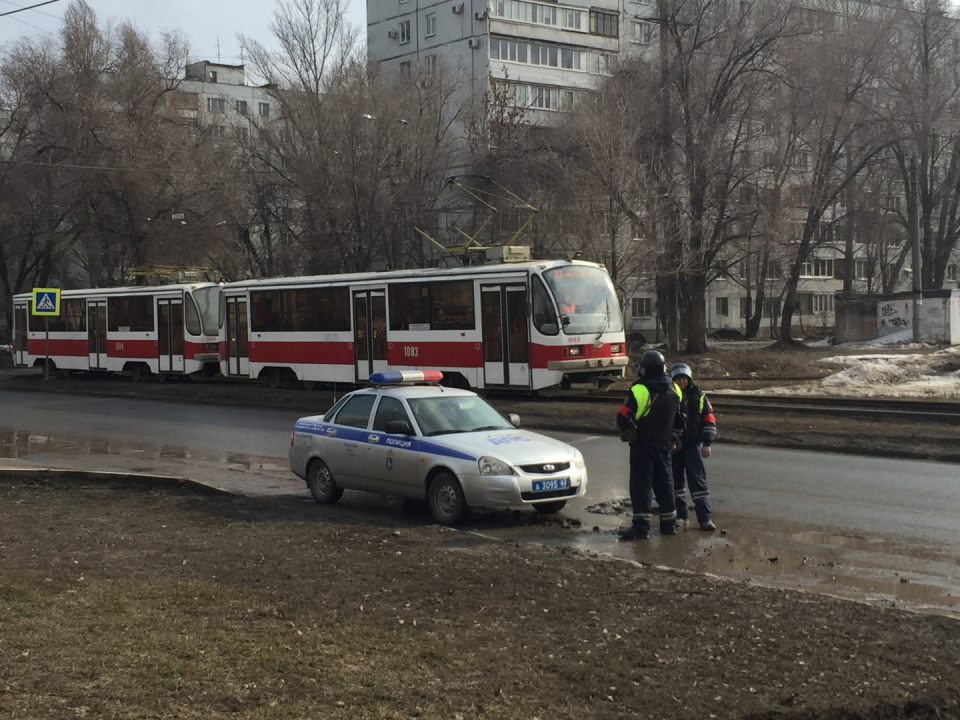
(26, 445)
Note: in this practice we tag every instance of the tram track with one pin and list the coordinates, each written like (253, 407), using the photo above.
(893, 409)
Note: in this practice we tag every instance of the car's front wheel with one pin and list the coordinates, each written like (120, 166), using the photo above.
(445, 497)
(321, 484)
(549, 508)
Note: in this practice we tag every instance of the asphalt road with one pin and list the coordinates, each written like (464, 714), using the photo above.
(881, 529)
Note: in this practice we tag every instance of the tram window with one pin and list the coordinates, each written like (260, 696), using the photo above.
(72, 317)
(130, 314)
(265, 311)
(325, 309)
(544, 316)
(191, 316)
(434, 306)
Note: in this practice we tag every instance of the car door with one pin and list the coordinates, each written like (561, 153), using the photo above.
(345, 442)
(393, 459)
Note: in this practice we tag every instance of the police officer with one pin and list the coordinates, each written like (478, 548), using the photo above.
(653, 404)
(699, 432)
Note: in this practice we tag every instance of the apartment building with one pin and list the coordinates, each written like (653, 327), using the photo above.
(540, 54)
(219, 100)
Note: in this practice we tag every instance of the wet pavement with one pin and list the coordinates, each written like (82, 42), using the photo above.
(913, 573)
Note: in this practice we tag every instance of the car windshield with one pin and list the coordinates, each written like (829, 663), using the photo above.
(456, 414)
(586, 300)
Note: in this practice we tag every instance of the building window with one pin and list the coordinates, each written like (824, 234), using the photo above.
(951, 272)
(603, 23)
(641, 307)
(264, 110)
(818, 267)
(215, 105)
(431, 24)
(405, 69)
(823, 303)
(771, 308)
(405, 32)
(861, 269)
(241, 107)
(213, 76)
(745, 306)
(535, 54)
(218, 131)
(643, 32)
(723, 306)
(430, 64)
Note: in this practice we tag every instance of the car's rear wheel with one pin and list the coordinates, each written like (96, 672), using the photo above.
(445, 497)
(321, 483)
(548, 508)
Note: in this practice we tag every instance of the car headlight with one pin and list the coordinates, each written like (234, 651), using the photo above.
(492, 466)
(578, 460)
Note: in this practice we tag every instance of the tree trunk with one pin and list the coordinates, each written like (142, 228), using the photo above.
(696, 284)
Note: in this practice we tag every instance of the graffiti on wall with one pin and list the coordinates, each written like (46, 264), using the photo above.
(892, 316)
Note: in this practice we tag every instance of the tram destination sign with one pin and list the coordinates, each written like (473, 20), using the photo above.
(46, 302)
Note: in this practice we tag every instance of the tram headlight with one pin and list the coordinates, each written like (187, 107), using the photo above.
(616, 349)
(492, 466)
(573, 351)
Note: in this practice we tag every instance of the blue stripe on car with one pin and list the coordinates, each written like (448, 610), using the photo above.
(359, 435)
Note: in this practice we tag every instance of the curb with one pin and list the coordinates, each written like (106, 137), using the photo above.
(165, 482)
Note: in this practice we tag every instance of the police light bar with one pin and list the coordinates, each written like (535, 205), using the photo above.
(396, 377)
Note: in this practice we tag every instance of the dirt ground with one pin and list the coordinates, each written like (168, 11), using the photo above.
(118, 602)
(124, 602)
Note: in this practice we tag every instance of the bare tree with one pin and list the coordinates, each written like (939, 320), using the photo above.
(833, 75)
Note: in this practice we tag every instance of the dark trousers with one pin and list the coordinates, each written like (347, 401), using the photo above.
(688, 461)
(650, 474)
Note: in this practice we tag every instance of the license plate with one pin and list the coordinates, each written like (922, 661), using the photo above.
(548, 485)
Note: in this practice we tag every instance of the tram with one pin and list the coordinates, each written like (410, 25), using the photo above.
(146, 331)
(521, 325)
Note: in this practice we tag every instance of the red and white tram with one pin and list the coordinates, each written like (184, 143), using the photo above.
(163, 330)
(524, 325)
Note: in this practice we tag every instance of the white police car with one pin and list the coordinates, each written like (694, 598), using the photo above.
(430, 442)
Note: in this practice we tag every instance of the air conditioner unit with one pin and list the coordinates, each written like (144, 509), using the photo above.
(393, 34)
(482, 15)
(473, 43)
(458, 9)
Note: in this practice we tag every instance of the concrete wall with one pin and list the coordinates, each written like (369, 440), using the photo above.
(856, 320)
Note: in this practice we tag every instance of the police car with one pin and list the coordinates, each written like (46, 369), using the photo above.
(447, 446)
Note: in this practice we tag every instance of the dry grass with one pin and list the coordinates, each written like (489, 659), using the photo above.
(130, 604)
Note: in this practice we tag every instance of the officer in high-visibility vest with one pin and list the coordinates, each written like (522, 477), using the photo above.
(699, 432)
(653, 406)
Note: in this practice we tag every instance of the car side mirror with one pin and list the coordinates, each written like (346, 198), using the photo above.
(514, 419)
(399, 427)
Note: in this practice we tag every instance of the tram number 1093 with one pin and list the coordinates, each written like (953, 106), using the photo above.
(411, 351)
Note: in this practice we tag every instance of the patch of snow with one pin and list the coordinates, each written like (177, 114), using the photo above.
(935, 374)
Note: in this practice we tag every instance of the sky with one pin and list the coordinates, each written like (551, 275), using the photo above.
(212, 26)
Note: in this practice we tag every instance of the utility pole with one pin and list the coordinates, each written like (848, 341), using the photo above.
(670, 225)
(914, 212)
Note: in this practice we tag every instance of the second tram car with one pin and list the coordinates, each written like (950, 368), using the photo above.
(524, 326)
(159, 331)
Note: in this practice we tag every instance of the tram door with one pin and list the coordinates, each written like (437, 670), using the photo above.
(370, 332)
(238, 361)
(506, 337)
(97, 334)
(20, 334)
(170, 335)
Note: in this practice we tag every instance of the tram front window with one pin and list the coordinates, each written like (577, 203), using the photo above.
(212, 306)
(585, 298)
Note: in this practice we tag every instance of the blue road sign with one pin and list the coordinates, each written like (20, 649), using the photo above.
(46, 301)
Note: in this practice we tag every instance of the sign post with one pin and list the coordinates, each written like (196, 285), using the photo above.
(46, 302)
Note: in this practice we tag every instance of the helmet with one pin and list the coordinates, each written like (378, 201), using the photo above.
(652, 363)
(681, 369)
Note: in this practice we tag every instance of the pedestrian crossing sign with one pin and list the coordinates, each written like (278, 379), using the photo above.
(46, 301)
